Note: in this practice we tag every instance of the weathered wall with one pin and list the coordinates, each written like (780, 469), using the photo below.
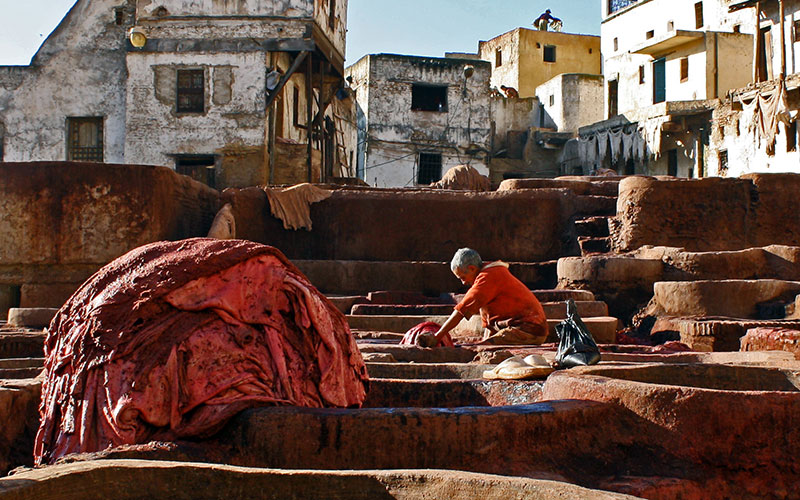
(707, 214)
(79, 71)
(523, 65)
(734, 133)
(234, 105)
(628, 28)
(395, 134)
(191, 8)
(577, 100)
(59, 222)
(523, 226)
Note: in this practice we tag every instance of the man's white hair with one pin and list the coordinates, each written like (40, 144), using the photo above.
(464, 258)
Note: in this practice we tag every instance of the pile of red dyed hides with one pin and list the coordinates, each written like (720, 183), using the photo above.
(410, 337)
(172, 339)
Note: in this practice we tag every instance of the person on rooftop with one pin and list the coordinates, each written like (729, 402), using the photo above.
(510, 313)
(542, 22)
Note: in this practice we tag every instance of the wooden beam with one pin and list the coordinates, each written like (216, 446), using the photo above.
(783, 38)
(285, 78)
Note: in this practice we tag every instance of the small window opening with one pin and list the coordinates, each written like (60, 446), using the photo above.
(332, 14)
(119, 16)
(670, 25)
(550, 53)
(201, 168)
(85, 139)
(672, 162)
(590, 51)
(616, 44)
(795, 31)
(191, 91)
(430, 168)
(791, 137)
(698, 15)
(613, 98)
(498, 57)
(684, 69)
(641, 74)
(723, 162)
(650, 34)
(552, 100)
(295, 106)
(428, 98)
(737, 28)
(538, 45)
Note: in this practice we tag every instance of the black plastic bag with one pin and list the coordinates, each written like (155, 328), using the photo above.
(576, 347)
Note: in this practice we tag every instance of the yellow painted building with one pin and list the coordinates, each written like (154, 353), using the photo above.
(525, 58)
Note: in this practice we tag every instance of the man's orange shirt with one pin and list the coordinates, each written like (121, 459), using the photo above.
(499, 296)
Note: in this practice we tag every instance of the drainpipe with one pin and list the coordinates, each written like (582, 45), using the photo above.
(783, 39)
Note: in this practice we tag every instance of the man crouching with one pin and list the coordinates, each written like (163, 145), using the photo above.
(510, 313)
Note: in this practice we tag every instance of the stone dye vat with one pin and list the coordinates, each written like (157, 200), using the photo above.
(738, 424)
(172, 339)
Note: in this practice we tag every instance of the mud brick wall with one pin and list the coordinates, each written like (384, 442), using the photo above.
(61, 221)
(707, 214)
(385, 225)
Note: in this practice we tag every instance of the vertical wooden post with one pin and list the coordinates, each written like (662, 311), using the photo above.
(757, 46)
(309, 111)
(271, 129)
(783, 38)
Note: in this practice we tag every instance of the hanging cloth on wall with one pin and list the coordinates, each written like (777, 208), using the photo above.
(767, 111)
(651, 130)
(627, 146)
(602, 145)
(615, 142)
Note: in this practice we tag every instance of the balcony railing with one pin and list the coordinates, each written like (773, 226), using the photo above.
(615, 5)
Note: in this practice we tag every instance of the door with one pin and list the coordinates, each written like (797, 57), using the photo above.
(659, 81)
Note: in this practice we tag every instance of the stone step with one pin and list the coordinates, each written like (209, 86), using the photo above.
(414, 354)
(345, 277)
(554, 310)
(594, 245)
(416, 298)
(602, 328)
(593, 227)
(21, 345)
(19, 373)
(22, 363)
(728, 298)
(31, 317)
(422, 371)
(155, 477)
(398, 393)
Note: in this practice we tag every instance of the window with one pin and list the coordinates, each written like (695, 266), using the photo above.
(613, 98)
(737, 28)
(119, 16)
(428, 98)
(795, 31)
(550, 53)
(684, 69)
(498, 57)
(791, 137)
(641, 74)
(616, 44)
(615, 5)
(698, 15)
(670, 25)
(85, 139)
(723, 162)
(650, 34)
(430, 168)
(191, 91)
(199, 167)
(332, 14)
(552, 100)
